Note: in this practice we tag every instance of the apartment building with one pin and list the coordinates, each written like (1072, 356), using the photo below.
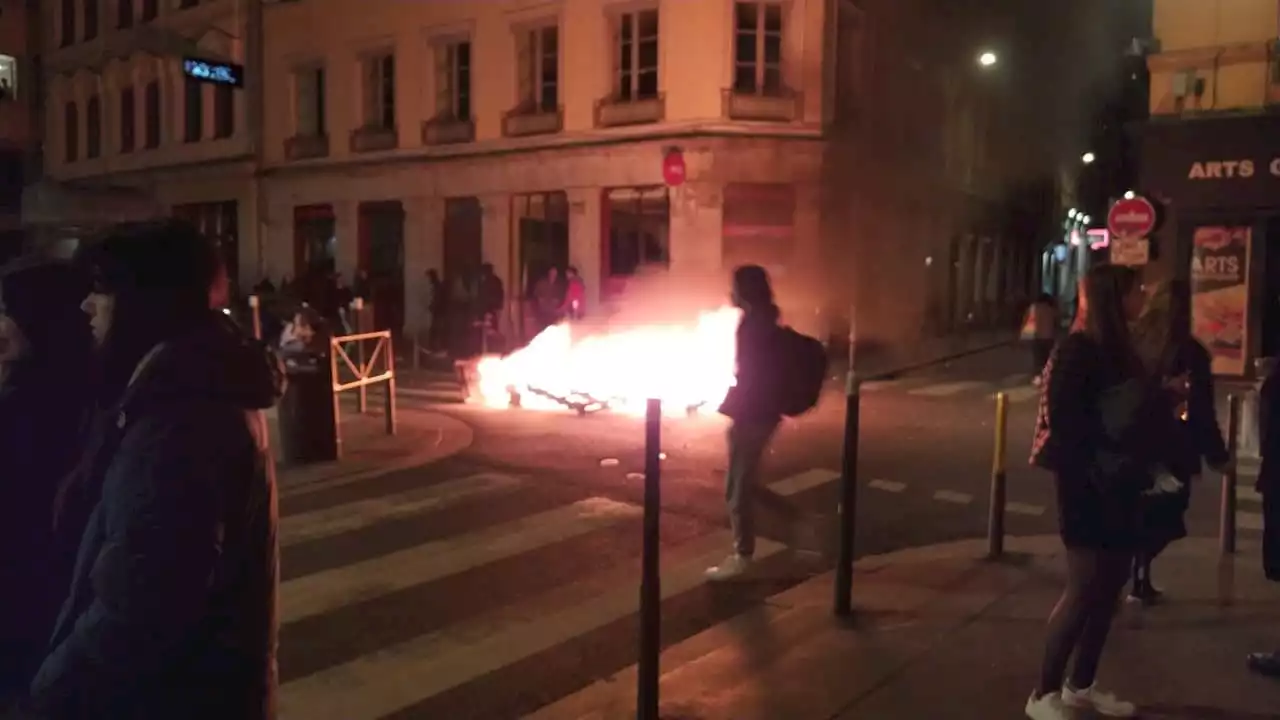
(19, 131)
(1211, 160)
(616, 136)
(129, 135)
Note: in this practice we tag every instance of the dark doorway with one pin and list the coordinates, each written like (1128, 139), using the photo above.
(381, 231)
(542, 230)
(314, 241)
(637, 225)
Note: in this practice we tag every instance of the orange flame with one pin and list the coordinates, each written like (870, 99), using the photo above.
(683, 365)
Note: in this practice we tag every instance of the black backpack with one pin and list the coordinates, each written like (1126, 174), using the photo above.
(802, 370)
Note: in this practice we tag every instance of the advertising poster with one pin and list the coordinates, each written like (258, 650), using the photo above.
(1220, 294)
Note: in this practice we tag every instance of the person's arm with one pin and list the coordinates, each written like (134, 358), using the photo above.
(162, 518)
(1069, 400)
(1202, 411)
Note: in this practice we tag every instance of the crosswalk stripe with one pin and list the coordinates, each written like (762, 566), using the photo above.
(331, 589)
(946, 389)
(382, 683)
(801, 482)
(1024, 509)
(1248, 492)
(887, 485)
(1022, 394)
(1249, 520)
(951, 496)
(305, 527)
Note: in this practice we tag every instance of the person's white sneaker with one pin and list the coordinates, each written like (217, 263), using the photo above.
(1103, 703)
(1048, 707)
(733, 566)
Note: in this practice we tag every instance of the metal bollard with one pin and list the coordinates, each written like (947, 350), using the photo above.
(255, 314)
(1227, 508)
(999, 482)
(650, 589)
(848, 497)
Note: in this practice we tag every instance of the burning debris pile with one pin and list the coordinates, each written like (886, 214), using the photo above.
(687, 366)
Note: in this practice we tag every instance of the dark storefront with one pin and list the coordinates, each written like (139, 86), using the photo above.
(1217, 182)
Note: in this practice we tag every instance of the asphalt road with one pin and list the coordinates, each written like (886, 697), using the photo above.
(503, 578)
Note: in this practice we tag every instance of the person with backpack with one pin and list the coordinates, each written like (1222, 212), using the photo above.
(756, 404)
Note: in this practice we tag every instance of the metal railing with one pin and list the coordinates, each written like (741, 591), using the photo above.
(362, 371)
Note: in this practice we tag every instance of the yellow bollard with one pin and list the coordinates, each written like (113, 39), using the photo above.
(995, 516)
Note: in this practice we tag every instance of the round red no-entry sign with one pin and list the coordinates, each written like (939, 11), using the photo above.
(1134, 217)
(673, 170)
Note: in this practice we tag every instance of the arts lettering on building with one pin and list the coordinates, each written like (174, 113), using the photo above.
(1229, 169)
(1216, 268)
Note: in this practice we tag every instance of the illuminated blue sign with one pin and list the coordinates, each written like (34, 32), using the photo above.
(218, 73)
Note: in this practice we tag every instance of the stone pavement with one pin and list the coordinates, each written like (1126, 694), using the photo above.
(943, 633)
(368, 451)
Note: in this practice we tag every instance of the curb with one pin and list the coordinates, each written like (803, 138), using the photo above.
(452, 436)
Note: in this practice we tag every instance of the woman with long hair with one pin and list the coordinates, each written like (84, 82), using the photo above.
(1162, 336)
(1090, 435)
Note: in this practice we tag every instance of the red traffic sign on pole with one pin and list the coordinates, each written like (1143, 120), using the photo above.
(1132, 217)
(673, 168)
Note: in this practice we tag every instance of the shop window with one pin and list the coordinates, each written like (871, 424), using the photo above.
(639, 222)
(759, 224)
(8, 77)
(542, 230)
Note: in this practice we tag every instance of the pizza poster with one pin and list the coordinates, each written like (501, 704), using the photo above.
(1220, 294)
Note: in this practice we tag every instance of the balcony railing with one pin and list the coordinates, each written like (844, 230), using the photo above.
(524, 121)
(304, 147)
(784, 106)
(616, 112)
(373, 139)
(448, 131)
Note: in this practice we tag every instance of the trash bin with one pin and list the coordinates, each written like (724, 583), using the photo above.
(305, 413)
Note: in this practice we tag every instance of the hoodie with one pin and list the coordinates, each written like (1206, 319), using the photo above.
(171, 611)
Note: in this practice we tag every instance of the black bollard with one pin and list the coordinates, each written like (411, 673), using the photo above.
(650, 590)
(848, 497)
(1227, 501)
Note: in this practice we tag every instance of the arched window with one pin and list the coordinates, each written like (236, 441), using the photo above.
(71, 128)
(93, 127)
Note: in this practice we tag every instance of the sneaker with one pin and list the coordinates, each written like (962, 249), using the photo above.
(1103, 703)
(1048, 707)
(733, 566)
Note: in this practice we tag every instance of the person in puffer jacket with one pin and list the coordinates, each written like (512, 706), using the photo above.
(171, 611)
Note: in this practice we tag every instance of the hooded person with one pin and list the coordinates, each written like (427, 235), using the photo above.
(171, 610)
(45, 349)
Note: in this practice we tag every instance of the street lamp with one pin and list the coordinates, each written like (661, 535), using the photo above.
(1129, 195)
(1088, 158)
(988, 59)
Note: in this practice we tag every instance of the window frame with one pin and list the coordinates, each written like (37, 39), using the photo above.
(152, 117)
(70, 132)
(128, 119)
(93, 127)
(224, 112)
(317, 75)
(378, 90)
(531, 67)
(760, 66)
(192, 110)
(67, 23)
(452, 90)
(92, 19)
(125, 14)
(630, 78)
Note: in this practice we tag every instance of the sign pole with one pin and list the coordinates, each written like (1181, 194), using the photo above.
(650, 584)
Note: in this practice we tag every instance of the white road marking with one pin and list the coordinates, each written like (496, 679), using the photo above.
(1023, 394)
(384, 682)
(958, 498)
(331, 589)
(1024, 509)
(304, 527)
(806, 480)
(1248, 520)
(887, 485)
(946, 389)
(1248, 492)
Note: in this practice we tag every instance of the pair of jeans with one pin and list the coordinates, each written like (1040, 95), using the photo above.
(743, 489)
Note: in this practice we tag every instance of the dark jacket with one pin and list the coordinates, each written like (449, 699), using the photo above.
(1198, 436)
(754, 397)
(1269, 434)
(171, 612)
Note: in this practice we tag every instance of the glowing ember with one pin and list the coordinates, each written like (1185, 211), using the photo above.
(684, 365)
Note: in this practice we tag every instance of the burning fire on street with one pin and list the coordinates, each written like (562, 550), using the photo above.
(686, 365)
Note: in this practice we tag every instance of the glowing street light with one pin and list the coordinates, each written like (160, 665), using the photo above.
(1088, 158)
(988, 59)
(1129, 195)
